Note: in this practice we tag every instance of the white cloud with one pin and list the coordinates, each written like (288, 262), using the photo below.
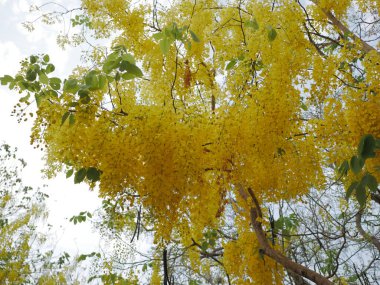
(21, 6)
(10, 56)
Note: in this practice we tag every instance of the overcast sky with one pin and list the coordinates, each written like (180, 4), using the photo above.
(66, 199)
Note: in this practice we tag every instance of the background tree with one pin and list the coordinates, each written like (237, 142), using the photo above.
(25, 257)
(211, 115)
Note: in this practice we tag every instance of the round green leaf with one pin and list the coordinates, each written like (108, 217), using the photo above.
(252, 24)
(93, 174)
(55, 83)
(80, 175)
(33, 59)
(46, 58)
(83, 93)
(133, 69)
(31, 75)
(92, 80)
(50, 68)
(272, 34)
(128, 57)
(85, 99)
(51, 93)
(69, 173)
(71, 86)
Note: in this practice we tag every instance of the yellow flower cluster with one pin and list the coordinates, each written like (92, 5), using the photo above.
(224, 110)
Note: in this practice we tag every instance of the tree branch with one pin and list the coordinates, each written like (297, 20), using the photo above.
(338, 24)
(371, 238)
(267, 250)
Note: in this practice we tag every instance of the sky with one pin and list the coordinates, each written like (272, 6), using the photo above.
(66, 198)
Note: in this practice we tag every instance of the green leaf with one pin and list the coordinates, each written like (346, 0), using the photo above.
(111, 62)
(123, 65)
(367, 146)
(344, 167)
(51, 93)
(71, 119)
(93, 174)
(64, 117)
(80, 175)
(272, 34)
(370, 181)
(25, 98)
(55, 83)
(165, 45)
(43, 78)
(303, 106)
(83, 93)
(128, 57)
(158, 36)
(117, 76)
(31, 74)
(252, 24)
(119, 48)
(46, 58)
(38, 98)
(128, 76)
(102, 81)
(33, 59)
(110, 65)
(231, 64)
(113, 56)
(69, 173)
(356, 164)
(361, 195)
(82, 257)
(133, 69)
(6, 79)
(92, 80)
(204, 245)
(351, 189)
(71, 86)
(85, 100)
(89, 215)
(50, 68)
(194, 37)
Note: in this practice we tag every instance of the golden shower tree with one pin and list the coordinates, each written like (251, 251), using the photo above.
(205, 108)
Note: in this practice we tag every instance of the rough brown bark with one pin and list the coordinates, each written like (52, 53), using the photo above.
(267, 250)
(298, 280)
